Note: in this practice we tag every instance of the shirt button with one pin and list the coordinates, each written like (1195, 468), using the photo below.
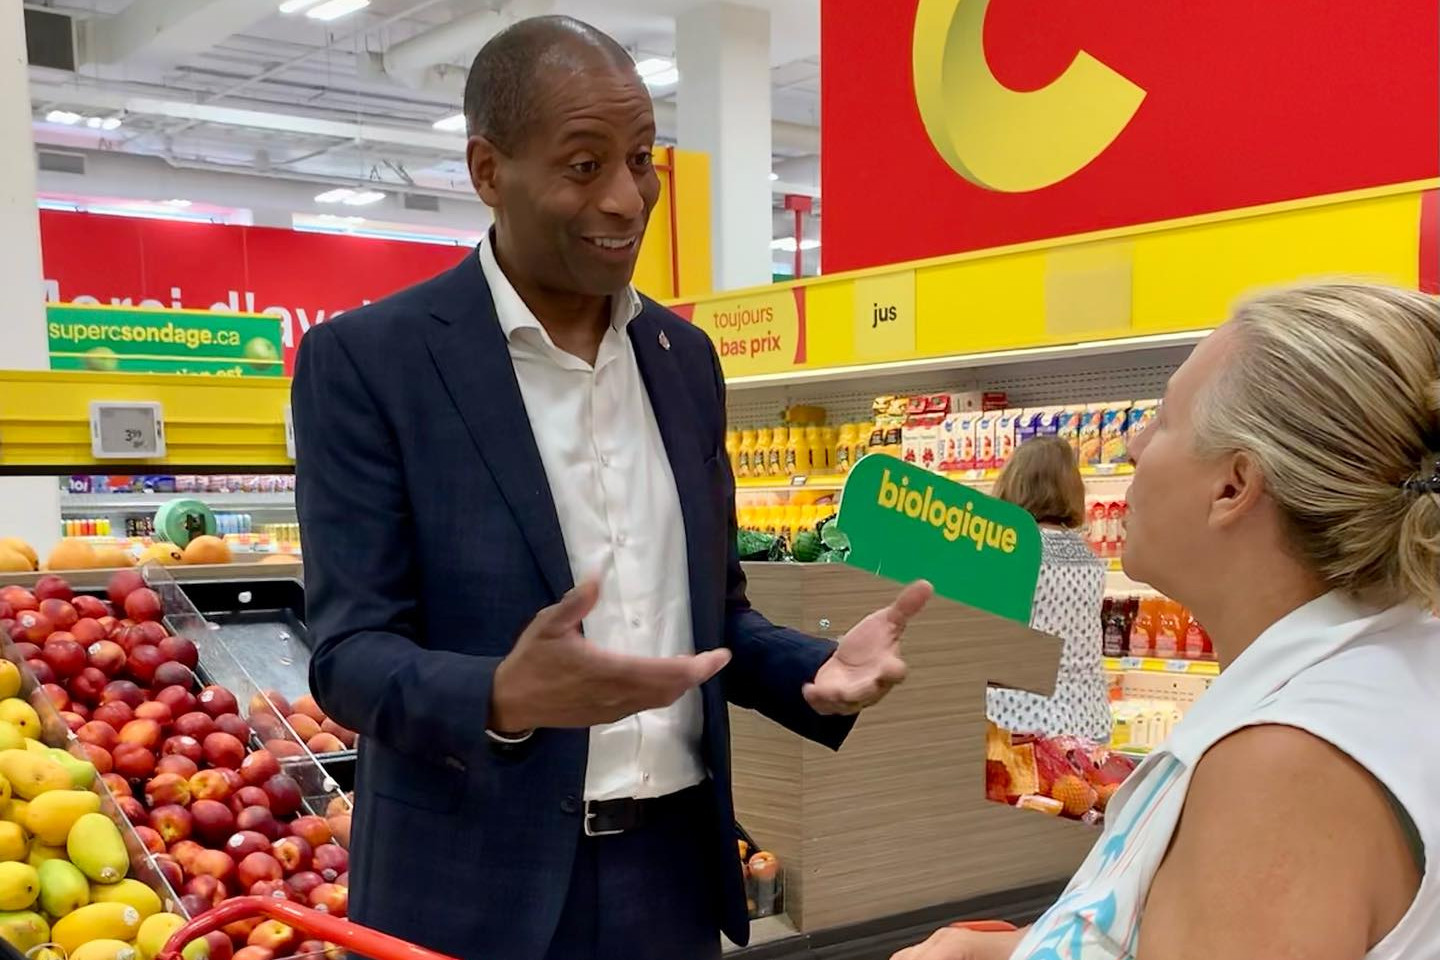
(570, 804)
(605, 459)
(634, 621)
(620, 539)
(644, 778)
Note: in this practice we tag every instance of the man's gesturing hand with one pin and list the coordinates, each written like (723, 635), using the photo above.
(554, 677)
(867, 663)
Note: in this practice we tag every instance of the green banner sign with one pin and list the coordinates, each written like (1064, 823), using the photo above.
(129, 340)
(906, 523)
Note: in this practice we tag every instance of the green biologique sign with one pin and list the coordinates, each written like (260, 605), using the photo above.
(128, 340)
(906, 523)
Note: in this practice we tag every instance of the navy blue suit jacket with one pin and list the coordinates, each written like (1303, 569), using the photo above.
(431, 540)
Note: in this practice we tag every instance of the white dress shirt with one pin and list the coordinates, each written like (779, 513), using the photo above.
(620, 518)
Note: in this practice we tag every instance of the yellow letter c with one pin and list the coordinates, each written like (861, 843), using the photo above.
(1002, 139)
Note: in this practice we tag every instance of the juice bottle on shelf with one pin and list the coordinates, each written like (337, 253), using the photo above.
(775, 452)
(797, 452)
(864, 433)
(1170, 630)
(1143, 628)
(819, 456)
(809, 517)
(1113, 622)
(843, 448)
(797, 521)
(773, 520)
(1115, 529)
(752, 460)
(829, 441)
(732, 449)
(1096, 528)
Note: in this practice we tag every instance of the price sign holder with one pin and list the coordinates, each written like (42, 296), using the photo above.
(289, 432)
(129, 430)
(799, 481)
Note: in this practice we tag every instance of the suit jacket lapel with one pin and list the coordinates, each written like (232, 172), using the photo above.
(680, 429)
(470, 352)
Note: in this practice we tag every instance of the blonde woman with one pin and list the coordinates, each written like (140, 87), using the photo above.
(1042, 476)
(1289, 495)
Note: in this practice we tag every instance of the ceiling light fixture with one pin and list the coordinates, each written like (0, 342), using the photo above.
(177, 203)
(664, 78)
(350, 197)
(335, 9)
(295, 6)
(774, 176)
(455, 124)
(653, 65)
(787, 244)
(63, 116)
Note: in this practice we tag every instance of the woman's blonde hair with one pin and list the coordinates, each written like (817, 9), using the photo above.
(1334, 389)
(1044, 478)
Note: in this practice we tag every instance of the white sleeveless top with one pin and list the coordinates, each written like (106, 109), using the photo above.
(1367, 682)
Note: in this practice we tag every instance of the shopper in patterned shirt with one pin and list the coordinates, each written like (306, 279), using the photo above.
(1042, 477)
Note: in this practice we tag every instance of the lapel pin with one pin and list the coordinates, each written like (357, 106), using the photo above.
(664, 341)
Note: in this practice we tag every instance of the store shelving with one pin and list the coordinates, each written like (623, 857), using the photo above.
(1198, 668)
(76, 502)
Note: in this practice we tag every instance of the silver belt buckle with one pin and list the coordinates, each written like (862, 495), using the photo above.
(590, 815)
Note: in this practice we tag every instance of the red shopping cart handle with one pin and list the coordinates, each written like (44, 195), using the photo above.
(986, 926)
(319, 926)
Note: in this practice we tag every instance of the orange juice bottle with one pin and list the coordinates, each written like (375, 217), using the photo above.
(797, 452)
(1170, 630)
(745, 454)
(732, 449)
(775, 452)
(842, 448)
(822, 450)
(1143, 628)
(864, 432)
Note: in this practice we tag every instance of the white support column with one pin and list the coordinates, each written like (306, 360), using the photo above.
(722, 50)
(29, 506)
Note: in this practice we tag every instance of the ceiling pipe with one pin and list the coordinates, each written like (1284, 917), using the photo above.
(410, 62)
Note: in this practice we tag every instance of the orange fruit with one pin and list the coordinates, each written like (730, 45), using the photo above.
(1077, 795)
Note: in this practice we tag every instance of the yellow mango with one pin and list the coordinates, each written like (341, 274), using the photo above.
(24, 930)
(35, 746)
(44, 953)
(31, 774)
(51, 815)
(82, 772)
(98, 921)
(96, 847)
(155, 932)
(9, 679)
(21, 714)
(19, 885)
(10, 736)
(14, 845)
(63, 888)
(15, 810)
(41, 853)
(130, 891)
(105, 950)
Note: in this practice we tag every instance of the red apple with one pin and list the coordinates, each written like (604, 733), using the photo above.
(245, 842)
(33, 625)
(142, 664)
(170, 869)
(172, 673)
(184, 852)
(223, 750)
(267, 727)
(343, 880)
(117, 713)
(154, 632)
(65, 656)
(213, 820)
(117, 785)
(284, 794)
(261, 820)
(99, 733)
(80, 710)
(88, 685)
(72, 720)
(180, 649)
(207, 887)
(304, 727)
(273, 936)
(179, 765)
(87, 632)
(100, 757)
(271, 702)
(122, 584)
(134, 761)
(124, 691)
(175, 823)
(193, 724)
(51, 587)
(131, 638)
(18, 598)
(60, 612)
(154, 710)
(42, 671)
(89, 607)
(257, 867)
(26, 650)
(313, 830)
(330, 898)
(330, 860)
(274, 889)
(111, 625)
(144, 732)
(220, 947)
(249, 952)
(324, 743)
(236, 782)
(216, 700)
(306, 705)
(214, 863)
(107, 656)
(167, 789)
(234, 725)
(284, 749)
(311, 950)
(183, 746)
(150, 839)
(293, 853)
(179, 700)
(57, 696)
(249, 797)
(134, 811)
(143, 604)
(305, 881)
(209, 785)
(259, 767)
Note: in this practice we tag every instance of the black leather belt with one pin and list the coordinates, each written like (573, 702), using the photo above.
(608, 818)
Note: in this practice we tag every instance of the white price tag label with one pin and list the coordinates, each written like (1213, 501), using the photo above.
(289, 433)
(128, 430)
(1131, 663)
(1177, 666)
(798, 481)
